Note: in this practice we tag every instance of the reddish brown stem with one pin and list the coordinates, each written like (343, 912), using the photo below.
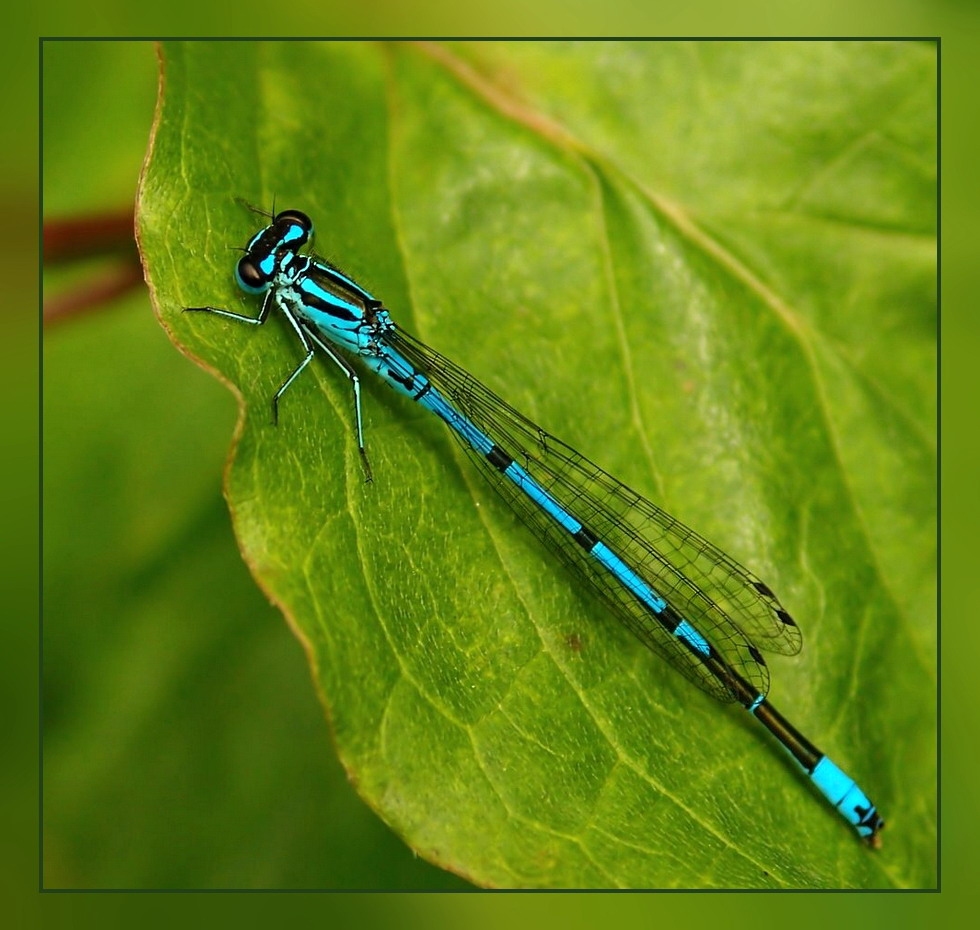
(70, 238)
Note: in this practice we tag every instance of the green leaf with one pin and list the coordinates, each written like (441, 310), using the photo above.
(711, 267)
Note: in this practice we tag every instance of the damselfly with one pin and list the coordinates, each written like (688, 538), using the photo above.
(681, 596)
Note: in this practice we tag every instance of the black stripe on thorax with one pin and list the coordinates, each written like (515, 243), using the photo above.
(329, 308)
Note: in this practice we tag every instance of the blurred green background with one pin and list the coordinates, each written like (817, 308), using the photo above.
(115, 606)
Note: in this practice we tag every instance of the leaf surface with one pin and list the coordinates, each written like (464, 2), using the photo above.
(710, 267)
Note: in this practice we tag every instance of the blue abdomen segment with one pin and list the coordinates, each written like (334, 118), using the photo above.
(832, 781)
(842, 791)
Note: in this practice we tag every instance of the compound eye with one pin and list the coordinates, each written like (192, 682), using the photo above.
(295, 216)
(250, 277)
(301, 223)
